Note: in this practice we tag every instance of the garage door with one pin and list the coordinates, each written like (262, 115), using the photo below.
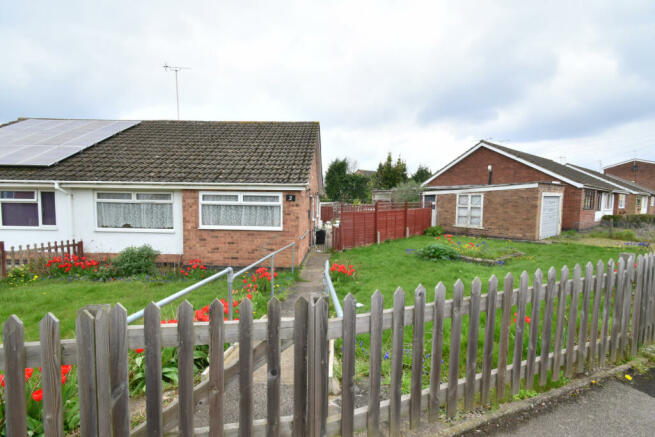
(550, 224)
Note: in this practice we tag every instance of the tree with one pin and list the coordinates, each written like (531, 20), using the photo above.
(421, 174)
(406, 192)
(389, 174)
(341, 185)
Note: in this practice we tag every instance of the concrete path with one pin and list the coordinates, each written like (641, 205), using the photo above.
(310, 283)
(617, 409)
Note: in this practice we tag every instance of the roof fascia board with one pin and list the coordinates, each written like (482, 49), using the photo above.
(158, 185)
(482, 189)
(628, 161)
(607, 181)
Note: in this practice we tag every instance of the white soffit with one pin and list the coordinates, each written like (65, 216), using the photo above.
(42, 143)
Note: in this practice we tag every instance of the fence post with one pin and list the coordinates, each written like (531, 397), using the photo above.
(272, 275)
(406, 221)
(230, 280)
(377, 230)
(3, 259)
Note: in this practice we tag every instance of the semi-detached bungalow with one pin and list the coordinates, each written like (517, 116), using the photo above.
(226, 192)
(498, 191)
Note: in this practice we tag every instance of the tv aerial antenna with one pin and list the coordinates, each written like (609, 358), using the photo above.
(177, 92)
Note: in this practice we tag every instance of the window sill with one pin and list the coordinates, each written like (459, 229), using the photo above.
(29, 228)
(240, 228)
(138, 231)
(469, 227)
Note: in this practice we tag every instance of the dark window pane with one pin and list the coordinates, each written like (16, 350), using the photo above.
(20, 214)
(17, 195)
(48, 209)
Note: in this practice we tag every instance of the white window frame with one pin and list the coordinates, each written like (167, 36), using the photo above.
(133, 199)
(457, 206)
(652, 200)
(622, 201)
(241, 202)
(608, 202)
(37, 193)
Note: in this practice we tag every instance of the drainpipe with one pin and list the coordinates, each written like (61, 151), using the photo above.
(70, 207)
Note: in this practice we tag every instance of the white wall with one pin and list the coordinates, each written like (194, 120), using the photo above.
(76, 218)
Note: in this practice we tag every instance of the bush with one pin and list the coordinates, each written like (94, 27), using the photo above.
(136, 261)
(629, 220)
(437, 252)
(434, 231)
(21, 275)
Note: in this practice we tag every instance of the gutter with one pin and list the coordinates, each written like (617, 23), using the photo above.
(167, 185)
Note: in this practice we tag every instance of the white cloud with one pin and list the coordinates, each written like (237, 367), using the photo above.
(420, 79)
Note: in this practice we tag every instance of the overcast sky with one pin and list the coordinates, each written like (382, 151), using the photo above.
(567, 80)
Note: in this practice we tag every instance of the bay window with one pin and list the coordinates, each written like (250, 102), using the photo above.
(241, 210)
(26, 208)
(128, 210)
(469, 210)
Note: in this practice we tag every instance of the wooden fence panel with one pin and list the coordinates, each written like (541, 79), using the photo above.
(593, 334)
(562, 295)
(274, 369)
(152, 331)
(102, 371)
(546, 332)
(489, 332)
(246, 402)
(120, 393)
(503, 343)
(185, 350)
(607, 305)
(455, 342)
(618, 310)
(437, 350)
(636, 312)
(397, 360)
(375, 328)
(627, 304)
(472, 344)
(216, 368)
(86, 377)
(53, 422)
(518, 338)
(300, 335)
(584, 316)
(348, 367)
(417, 358)
(535, 305)
(14, 343)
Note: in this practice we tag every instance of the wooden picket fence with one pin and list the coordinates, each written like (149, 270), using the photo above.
(13, 257)
(606, 315)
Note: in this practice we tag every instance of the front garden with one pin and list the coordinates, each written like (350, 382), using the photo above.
(428, 260)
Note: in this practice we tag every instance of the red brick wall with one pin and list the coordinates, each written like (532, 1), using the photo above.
(473, 170)
(645, 173)
(508, 213)
(240, 248)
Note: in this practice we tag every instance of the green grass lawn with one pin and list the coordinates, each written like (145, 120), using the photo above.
(394, 264)
(63, 298)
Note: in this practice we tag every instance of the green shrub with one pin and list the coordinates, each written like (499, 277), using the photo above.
(136, 261)
(629, 220)
(437, 252)
(434, 231)
(21, 275)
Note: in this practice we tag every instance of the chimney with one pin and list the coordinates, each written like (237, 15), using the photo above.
(489, 169)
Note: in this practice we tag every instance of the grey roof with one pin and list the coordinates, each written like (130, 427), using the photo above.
(556, 167)
(191, 151)
(617, 180)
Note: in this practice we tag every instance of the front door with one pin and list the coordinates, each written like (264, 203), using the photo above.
(430, 201)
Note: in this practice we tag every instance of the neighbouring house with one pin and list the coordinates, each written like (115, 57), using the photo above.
(226, 192)
(514, 177)
(635, 170)
(637, 200)
(367, 173)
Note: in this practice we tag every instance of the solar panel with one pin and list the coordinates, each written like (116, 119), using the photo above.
(42, 142)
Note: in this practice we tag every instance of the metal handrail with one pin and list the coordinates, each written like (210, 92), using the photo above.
(333, 294)
(229, 271)
(165, 301)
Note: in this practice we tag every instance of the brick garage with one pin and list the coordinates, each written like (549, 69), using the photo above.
(489, 163)
(508, 211)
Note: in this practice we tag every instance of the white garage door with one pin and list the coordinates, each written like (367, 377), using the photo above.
(550, 224)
